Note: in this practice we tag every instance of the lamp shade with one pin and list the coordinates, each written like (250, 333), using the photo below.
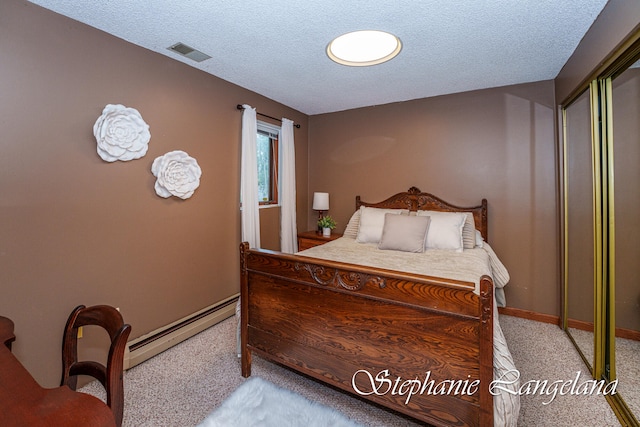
(320, 201)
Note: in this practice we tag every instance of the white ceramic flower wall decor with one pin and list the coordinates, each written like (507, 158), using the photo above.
(121, 134)
(177, 174)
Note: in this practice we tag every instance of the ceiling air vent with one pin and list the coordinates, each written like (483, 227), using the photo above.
(189, 52)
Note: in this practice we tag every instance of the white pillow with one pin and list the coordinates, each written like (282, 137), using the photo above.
(372, 222)
(404, 233)
(445, 230)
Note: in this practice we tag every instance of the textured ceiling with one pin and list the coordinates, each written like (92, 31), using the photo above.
(277, 47)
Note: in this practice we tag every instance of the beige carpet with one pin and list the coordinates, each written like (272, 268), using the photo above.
(181, 386)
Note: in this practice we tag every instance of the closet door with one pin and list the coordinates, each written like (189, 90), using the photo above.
(579, 219)
(624, 362)
(601, 218)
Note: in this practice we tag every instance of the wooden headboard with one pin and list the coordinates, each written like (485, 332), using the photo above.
(415, 200)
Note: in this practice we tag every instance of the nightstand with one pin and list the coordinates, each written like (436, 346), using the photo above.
(309, 239)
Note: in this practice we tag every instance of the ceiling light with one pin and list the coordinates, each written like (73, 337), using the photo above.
(363, 48)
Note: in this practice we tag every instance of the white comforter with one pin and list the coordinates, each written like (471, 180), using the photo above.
(468, 265)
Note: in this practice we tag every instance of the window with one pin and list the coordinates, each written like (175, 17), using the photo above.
(267, 148)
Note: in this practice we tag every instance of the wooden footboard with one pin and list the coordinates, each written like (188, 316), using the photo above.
(418, 345)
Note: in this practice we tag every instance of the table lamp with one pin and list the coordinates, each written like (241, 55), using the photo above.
(320, 204)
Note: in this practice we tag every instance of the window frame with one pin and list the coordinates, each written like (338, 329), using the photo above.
(273, 132)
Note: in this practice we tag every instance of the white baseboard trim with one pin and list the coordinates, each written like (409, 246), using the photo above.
(161, 339)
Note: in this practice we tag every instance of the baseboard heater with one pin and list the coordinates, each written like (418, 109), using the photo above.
(155, 342)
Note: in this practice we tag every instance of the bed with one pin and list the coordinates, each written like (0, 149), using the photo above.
(420, 344)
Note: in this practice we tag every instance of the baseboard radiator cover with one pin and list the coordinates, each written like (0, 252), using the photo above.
(161, 339)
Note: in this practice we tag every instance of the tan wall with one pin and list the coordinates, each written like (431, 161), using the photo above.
(77, 230)
(270, 228)
(496, 144)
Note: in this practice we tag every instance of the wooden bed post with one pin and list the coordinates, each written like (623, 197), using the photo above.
(484, 220)
(245, 357)
(486, 350)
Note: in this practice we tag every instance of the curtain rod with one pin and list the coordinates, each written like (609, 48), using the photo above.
(240, 107)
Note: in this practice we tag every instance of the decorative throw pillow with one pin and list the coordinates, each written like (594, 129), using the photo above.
(445, 230)
(353, 225)
(372, 222)
(404, 233)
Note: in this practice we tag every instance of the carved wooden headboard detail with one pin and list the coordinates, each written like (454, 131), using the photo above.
(415, 200)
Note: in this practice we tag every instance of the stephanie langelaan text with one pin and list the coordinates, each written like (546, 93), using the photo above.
(509, 382)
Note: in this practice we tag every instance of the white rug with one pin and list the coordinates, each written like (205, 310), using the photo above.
(259, 403)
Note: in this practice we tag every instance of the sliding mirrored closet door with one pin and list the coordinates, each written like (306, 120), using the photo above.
(601, 223)
(625, 101)
(579, 230)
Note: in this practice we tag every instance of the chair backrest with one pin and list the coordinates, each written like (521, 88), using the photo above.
(111, 375)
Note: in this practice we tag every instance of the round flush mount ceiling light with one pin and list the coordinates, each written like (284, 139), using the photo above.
(363, 48)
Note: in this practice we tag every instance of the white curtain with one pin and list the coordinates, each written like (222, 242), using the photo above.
(249, 179)
(288, 229)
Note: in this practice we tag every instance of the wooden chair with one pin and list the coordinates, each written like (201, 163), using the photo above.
(111, 375)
